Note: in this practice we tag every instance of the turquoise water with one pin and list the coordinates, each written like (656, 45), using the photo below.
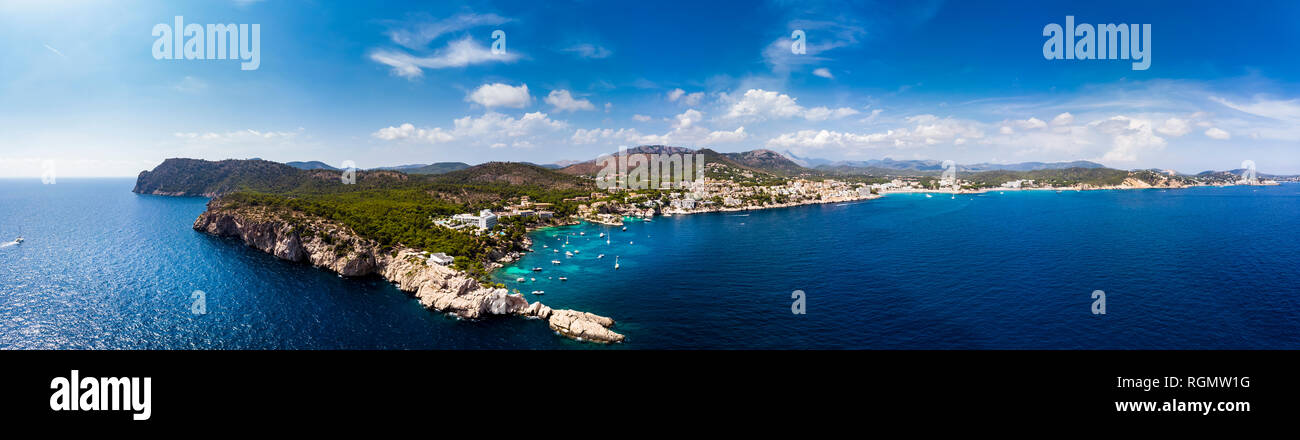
(1197, 268)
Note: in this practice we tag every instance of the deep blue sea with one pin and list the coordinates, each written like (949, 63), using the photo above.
(1195, 268)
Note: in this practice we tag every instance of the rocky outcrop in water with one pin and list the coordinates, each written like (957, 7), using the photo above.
(296, 237)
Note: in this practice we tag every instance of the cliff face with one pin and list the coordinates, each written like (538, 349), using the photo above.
(295, 237)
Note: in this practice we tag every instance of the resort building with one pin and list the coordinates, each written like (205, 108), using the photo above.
(440, 259)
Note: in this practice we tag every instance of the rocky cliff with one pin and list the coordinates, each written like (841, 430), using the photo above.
(297, 237)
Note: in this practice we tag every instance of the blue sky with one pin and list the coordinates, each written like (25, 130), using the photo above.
(416, 82)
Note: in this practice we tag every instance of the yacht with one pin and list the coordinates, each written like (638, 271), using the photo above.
(555, 261)
(616, 262)
(600, 256)
(519, 280)
(537, 269)
(568, 254)
(625, 228)
(929, 196)
(575, 251)
(563, 279)
(602, 235)
(18, 240)
(539, 292)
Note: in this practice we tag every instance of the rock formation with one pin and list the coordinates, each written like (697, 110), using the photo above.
(296, 237)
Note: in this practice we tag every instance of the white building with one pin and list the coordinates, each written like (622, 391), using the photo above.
(440, 259)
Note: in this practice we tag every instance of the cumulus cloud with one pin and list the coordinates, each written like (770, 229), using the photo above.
(503, 95)
(492, 129)
(1175, 127)
(562, 100)
(458, 53)
(1063, 119)
(688, 99)
(759, 104)
(924, 130)
(1217, 133)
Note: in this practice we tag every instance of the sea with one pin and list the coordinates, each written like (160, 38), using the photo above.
(1199, 268)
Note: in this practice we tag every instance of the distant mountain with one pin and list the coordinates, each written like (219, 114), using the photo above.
(761, 161)
(312, 165)
(513, 173)
(437, 168)
(891, 166)
(768, 161)
(807, 162)
(402, 167)
(194, 177)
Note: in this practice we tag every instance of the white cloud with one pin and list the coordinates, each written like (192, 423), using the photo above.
(823, 113)
(503, 95)
(821, 36)
(1063, 119)
(689, 99)
(1285, 110)
(589, 51)
(759, 104)
(237, 136)
(823, 72)
(563, 101)
(492, 129)
(1129, 137)
(641, 118)
(420, 35)
(687, 119)
(458, 53)
(727, 136)
(925, 130)
(1216, 133)
(408, 131)
(1174, 127)
(1029, 124)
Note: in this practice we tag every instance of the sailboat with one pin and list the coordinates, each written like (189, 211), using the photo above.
(616, 262)
(602, 235)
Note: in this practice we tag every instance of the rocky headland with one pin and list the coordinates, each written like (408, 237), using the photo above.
(297, 237)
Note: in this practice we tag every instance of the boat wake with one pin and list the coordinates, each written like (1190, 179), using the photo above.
(5, 245)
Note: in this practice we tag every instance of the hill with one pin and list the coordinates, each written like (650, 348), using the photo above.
(513, 173)
(437, 168)
(768, 161)
(312, 165)
(194, 177)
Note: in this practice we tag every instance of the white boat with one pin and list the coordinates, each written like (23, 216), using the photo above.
(537, 269)
(928, 196)
(555, 261)
(577, 251)
(582, 233)
(539, 292)
(600, 256)
(18, 240)
(534, 279)
(602, 235)
(563, 279)
(519, 280)
(568, 254)
(630, 243)
(555, 251)
(616, 262)
(625, 228)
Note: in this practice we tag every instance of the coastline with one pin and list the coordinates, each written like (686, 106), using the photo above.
(336, 248)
